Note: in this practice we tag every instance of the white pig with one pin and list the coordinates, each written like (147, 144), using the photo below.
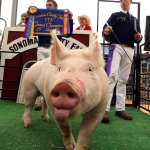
(73, 83)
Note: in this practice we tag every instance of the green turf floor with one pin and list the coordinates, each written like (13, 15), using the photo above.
(118, 135)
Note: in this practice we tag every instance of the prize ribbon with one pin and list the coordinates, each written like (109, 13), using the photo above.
(65, 23)
(30, 26)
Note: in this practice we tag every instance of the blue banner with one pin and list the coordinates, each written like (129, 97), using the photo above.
(46, 20)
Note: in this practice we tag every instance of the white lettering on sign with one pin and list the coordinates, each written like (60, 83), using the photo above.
(22, 44)
(71, 43)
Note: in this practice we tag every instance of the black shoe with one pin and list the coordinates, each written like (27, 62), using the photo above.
(38, 107)
(106, 117)
(123, 115)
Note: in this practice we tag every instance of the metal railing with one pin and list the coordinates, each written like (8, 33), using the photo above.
(2, 28)
(145, 82)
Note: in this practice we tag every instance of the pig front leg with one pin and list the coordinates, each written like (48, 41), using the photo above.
(29, 103)
(26, 118)
(67, 136)
(30, 95)
(88, 126)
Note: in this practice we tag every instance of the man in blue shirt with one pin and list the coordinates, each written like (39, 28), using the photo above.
(45, 41)
(122, 30)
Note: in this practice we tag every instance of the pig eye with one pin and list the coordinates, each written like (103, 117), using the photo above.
(90, 69)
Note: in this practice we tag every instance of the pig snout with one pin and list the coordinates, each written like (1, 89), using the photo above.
(64, 97)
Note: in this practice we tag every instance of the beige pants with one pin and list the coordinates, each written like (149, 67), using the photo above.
(119, 74)
(42, 53)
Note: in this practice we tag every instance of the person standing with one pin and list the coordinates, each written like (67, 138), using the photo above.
(84, 22)
(122, 30)
(23, 21)
(45, 41)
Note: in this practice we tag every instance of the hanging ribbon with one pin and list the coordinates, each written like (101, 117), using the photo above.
(30, 27)
(65, 29)
(109, 59)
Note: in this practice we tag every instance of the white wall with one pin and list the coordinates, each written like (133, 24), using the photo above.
(78, 7)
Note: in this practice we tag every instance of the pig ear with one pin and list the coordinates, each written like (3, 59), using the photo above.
(57, 49)
(96, 53)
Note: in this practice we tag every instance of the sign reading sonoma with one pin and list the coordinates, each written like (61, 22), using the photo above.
(43, 21)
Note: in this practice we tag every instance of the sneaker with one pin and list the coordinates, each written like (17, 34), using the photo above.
(106, 117)
(123, 115)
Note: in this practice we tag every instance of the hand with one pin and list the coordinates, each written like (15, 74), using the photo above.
(107, 30)
(69, 12)
(137, 36)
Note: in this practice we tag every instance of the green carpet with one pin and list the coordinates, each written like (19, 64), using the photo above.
(118, 135)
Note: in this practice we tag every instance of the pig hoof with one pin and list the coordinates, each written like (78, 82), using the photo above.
(70, 145)
(81, 148)
(46, 118)
(26, 123)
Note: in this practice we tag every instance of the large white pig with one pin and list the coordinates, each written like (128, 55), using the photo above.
(73, 83)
